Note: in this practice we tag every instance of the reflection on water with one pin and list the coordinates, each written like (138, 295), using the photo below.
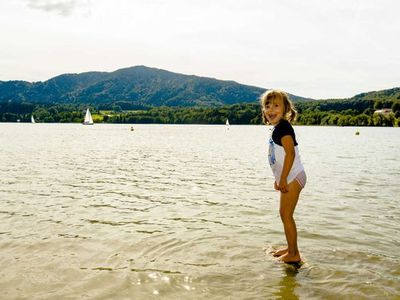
(183, 212)
(288, 284)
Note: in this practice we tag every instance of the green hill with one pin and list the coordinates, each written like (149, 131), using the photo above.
(384, 95)
(137, 85)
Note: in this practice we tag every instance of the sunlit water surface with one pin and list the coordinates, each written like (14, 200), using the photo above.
(184, 212)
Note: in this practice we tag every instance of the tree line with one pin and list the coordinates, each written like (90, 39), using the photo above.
(351, 112)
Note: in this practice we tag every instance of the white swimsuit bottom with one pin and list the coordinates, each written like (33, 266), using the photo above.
(301, 178)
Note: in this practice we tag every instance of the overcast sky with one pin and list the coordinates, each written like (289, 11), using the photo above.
(311, 48)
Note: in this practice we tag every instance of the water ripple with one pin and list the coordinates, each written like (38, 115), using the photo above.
(183, 212)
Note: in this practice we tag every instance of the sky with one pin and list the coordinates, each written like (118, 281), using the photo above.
(310, 48)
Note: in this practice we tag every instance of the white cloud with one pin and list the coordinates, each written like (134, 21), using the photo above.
(60, 7)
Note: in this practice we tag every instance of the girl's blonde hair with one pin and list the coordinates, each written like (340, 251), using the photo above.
(271, 96)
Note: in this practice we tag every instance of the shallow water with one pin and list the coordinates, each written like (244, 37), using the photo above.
(184, 212)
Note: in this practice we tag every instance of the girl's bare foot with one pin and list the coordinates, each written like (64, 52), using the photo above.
(279, 252)
(288, 258)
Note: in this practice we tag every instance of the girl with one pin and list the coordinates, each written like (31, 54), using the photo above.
(285, 163)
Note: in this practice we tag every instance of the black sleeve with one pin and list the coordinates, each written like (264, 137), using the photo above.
(282, 129)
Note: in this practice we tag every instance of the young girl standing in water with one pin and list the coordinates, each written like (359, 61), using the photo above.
(285, 163)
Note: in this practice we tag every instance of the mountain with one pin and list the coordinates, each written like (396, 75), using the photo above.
(139, 84)
(383, 95)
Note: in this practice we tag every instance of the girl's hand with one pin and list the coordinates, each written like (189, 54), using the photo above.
(276, 186)
(283, 186)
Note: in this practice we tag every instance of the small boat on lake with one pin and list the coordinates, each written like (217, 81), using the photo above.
(88, 118)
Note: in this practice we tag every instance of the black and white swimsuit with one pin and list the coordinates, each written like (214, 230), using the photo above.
(276, 154)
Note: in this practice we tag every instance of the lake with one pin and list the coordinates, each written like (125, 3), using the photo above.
(184, 212)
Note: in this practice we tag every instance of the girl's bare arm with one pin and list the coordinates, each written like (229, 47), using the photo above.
(288, 146)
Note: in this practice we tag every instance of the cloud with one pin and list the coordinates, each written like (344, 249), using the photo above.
(60, 7)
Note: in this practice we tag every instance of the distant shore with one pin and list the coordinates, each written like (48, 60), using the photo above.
(328, 113)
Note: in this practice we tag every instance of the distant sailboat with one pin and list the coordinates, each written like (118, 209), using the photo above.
(32, 119)
(88, 118)
(227, 122)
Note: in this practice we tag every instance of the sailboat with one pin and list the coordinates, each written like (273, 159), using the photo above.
(88, 118)
(32, 119)
(227, 122)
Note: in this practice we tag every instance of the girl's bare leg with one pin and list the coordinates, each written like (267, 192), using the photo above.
(287, 205)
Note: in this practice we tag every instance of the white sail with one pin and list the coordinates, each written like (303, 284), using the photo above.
(32, 119)
(88, 118)
(227, 122)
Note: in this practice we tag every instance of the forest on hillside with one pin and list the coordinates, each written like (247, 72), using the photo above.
(350, 112)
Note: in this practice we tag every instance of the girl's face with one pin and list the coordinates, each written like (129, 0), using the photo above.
(274, 111)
